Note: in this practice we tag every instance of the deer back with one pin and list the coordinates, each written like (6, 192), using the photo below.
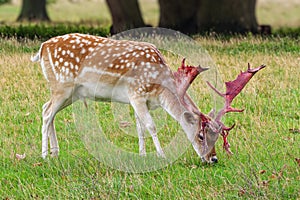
(78, 58)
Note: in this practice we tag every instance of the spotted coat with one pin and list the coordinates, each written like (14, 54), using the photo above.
(67, 58)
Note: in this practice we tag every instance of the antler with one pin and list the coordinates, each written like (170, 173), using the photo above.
(233, 88)
(184, 76)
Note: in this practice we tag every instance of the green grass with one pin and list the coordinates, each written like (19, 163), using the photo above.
(263, 165)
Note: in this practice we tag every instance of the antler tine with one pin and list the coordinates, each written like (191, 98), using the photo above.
(184, 76)
(225, 133)
(233, 88)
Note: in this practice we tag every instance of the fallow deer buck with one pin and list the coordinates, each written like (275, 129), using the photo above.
(79, 66)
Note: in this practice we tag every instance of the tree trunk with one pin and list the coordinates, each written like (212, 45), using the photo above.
(178, 15)
(234, 16)
(194, 16)
(33, 10)
(125, 14)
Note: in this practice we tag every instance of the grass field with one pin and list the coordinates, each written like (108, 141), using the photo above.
(265, 141)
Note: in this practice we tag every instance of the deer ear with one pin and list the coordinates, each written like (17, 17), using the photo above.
(189, 118)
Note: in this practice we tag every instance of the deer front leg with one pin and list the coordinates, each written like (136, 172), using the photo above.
(141, 134)
(142, 112)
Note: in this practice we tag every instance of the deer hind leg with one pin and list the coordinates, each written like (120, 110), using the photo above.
(141, 134)
(50, 109)
(144, 117)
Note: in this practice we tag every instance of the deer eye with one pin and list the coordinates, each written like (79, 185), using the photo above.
(200, 137)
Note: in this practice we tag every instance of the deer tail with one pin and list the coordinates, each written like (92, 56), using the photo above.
(35, 58)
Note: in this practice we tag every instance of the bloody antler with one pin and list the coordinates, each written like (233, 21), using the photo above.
(233, 88)
(184, 76)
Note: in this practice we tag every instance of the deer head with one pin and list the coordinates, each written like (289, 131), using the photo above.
(211, 126)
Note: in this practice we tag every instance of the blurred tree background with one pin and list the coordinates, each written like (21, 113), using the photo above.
(187, 16)
(33, 10)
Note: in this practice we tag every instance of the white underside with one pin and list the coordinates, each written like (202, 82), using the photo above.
(98, 88)
(102, 92)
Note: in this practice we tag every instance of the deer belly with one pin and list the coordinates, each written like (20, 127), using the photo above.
(100, 85)
(103, 92)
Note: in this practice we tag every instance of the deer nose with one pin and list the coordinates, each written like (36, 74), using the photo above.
(214, 159)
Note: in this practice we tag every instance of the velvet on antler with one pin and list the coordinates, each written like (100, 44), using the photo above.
(233, 88)
(184, 77)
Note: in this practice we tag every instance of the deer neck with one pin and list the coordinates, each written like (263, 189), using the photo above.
(170, 103)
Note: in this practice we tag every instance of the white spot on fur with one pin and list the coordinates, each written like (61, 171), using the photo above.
(83, 51)
(153, 59)
(55, 53)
